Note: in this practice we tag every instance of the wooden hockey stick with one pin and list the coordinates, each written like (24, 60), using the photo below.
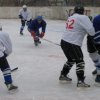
(51, 42)
(14, 69)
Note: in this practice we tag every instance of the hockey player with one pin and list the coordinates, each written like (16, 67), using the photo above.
(76, 28)
(94, 48)
(34, 27)
(91, 46)
(25, 16)
(5, 50)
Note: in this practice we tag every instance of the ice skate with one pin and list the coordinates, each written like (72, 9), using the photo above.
(63, 78)
(82, 84)
(21, 33)
(37, 41)
(11, 87)
(97, 80)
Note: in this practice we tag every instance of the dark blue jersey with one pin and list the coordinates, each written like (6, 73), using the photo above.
(96, 24)
(35, 26)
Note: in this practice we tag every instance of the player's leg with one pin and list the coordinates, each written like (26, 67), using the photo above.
(36, 38)
(91, 48)
(66, 47)
(7, 73)
(97, 79)
(96, 59)
(38, 35)
(64, 72)
(80, 66)
(22, 27)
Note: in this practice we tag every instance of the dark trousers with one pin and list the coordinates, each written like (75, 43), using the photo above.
(23, 22)
(73, 54)
(3, 63)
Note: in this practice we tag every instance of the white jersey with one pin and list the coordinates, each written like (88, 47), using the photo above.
(5, 44)
(25, 14)
(77, 27)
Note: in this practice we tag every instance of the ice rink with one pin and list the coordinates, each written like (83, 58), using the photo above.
(39, 67)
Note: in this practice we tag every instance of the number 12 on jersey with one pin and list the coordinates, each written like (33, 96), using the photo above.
(70, 24)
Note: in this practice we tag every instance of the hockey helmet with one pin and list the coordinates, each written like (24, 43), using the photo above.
(39, 18)
(79, 9)
(24, 6)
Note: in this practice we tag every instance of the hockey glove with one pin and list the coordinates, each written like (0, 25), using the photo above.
(5, 55)
(27, 23)
(20, 16)
(42, 34)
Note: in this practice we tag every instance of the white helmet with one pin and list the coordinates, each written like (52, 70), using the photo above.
(24, 6)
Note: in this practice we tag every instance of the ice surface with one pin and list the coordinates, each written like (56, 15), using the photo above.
(39, 67)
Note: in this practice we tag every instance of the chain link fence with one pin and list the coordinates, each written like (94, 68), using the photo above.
(49, 2)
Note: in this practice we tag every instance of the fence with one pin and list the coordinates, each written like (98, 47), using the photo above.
(49, 2)
(47, 12)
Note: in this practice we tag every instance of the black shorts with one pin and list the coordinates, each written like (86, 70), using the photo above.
(3, 63)
(23, 22)
(72, 52)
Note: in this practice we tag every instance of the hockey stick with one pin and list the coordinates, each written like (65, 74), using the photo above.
(14, 69)
(67, 13)
(51, 42)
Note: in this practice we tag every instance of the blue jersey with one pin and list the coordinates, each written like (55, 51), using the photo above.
(35, 26)
(96, 24)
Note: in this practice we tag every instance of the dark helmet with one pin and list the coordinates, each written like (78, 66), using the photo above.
(39, 18)
(79, 9)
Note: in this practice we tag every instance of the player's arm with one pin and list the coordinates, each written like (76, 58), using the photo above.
(43, 29)
(88, 25)
(20, 14)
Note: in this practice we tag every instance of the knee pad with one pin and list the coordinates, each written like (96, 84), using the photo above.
(80, 66)
(96, 59)
(80, 70)
(66, 68)
(69, 64)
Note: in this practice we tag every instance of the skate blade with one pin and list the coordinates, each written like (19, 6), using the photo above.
(82, 88)
(13, 91)
(97, 84)
(65, 82)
